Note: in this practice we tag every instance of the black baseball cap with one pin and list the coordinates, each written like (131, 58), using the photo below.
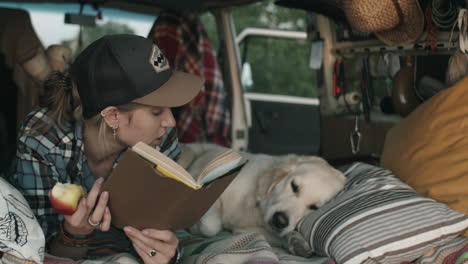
(119, 69)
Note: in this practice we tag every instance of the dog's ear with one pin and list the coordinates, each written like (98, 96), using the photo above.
(268, 180)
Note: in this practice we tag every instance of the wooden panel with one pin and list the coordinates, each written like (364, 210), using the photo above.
(335, 138)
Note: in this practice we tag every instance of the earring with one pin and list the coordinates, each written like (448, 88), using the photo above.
(114, 131)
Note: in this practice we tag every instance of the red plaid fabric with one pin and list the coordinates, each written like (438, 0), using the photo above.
(184, 41)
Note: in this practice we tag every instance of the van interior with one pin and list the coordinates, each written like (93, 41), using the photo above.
(307, 77)
(274, 109)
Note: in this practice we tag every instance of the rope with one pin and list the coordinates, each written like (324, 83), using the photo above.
(444, 13)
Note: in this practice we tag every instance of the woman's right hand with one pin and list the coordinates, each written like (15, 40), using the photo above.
(91, 209)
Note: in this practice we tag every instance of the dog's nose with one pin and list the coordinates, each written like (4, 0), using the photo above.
(280, 220)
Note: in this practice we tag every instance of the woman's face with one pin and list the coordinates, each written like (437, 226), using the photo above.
(147, 124)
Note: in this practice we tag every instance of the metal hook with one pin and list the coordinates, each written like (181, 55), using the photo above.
(355, 137)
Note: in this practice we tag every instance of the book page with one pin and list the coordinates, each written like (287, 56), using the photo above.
(165, 165)
(214, 163)
(221, 170)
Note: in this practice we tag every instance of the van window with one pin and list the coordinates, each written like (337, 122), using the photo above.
(48, 22)
(277, 66)
(273, 62)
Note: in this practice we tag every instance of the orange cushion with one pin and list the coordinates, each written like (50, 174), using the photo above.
(429, 149)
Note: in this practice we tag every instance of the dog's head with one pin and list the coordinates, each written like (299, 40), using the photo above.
(288, 193)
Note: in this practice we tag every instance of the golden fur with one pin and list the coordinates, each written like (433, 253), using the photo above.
(262, 198)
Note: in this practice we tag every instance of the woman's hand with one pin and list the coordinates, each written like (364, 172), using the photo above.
(153, 246)
(84, 220)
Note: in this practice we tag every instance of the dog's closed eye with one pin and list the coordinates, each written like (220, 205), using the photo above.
(294, 187)
(313, 207)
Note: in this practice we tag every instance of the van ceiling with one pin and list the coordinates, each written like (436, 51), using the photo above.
(151, 6)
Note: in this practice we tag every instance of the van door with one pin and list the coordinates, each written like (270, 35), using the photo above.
(282, 106)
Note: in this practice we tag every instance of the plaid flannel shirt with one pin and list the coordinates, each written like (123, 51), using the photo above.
(58, 156)
(185, 43)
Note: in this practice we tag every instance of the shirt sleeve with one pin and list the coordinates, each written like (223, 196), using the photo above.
(34, 177)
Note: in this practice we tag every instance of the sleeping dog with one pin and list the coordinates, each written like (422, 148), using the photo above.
(271, 194)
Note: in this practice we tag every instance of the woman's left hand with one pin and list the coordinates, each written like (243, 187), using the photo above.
(153, 246)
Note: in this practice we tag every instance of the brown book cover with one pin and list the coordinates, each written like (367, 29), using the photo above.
(142, 197)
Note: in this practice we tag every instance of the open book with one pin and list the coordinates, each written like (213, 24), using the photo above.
(220, 162)
(149, 190)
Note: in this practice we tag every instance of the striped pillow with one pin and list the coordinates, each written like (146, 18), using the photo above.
(377, 218)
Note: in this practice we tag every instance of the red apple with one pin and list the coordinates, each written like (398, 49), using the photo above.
(64, 197)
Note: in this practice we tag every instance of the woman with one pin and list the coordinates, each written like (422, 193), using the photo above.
(123, 87)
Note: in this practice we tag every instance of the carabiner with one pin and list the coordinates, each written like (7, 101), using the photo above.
(355, 137)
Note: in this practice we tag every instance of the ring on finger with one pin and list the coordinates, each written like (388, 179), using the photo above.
(91, 223)
(152, 253)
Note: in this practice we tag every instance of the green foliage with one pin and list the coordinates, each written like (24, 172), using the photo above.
(266, 14)
(209, 22)
(278, 66)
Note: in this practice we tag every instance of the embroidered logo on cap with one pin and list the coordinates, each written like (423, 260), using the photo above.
(158, 61)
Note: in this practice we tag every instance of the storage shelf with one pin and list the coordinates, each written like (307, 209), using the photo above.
(354, 48)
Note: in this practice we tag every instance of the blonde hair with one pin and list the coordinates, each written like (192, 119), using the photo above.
(61, 98)
(63, 101)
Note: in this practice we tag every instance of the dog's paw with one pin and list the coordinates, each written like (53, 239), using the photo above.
(297, 245)
(209, 225)
(204, 229)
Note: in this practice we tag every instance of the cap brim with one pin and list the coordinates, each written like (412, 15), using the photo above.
(180, 89)
(407, 32)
